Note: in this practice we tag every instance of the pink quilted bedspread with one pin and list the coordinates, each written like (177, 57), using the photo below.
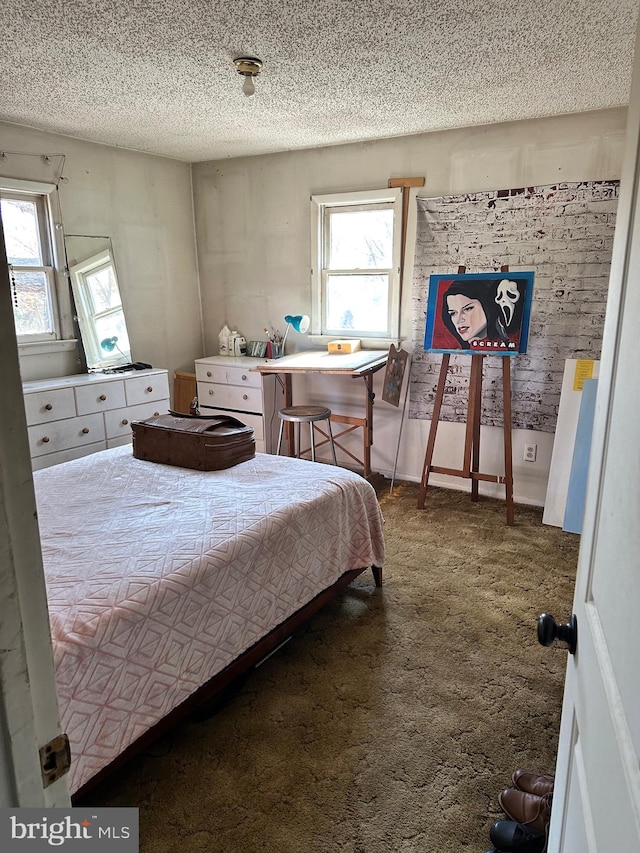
(159, 577)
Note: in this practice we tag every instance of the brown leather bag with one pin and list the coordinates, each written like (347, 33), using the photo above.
(206, 444)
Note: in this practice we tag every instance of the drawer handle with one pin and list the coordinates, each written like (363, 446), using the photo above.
(245, 396)
(208, 373)
(156, 414)
(102, 397)
(48, 407)
(124, 422)
(85, 430)
(45, 439)
(244, 377)
(149, 389)
(210, 392)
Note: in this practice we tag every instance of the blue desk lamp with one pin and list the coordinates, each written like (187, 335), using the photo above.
(300, 322)
(109, 344)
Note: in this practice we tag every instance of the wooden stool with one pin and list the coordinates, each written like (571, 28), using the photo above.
(306, 415)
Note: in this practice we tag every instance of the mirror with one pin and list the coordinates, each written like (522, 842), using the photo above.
(94, 284)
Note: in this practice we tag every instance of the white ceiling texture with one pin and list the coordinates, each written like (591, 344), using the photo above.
(158, 75)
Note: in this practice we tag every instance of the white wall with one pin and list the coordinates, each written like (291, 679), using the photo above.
(144, 203)
(252, 225)
(253, 237)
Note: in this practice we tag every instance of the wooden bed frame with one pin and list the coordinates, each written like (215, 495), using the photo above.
(241, 665)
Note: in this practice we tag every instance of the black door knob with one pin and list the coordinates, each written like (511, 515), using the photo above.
(549, 631)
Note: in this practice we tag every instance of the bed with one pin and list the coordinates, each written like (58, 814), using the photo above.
(163, 583)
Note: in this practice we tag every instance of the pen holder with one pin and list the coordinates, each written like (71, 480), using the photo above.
(276, 350)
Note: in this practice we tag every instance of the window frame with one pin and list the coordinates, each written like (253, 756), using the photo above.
(52, 246)
(321, 205)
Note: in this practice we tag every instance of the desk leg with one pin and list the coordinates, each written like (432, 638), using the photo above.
(288, 401)
(368, 427)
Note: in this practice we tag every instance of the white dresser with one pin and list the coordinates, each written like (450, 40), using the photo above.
(228, 385)
(72, 416)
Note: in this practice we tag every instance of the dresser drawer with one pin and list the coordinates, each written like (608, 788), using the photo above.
(223, 375)
(230, 397)
(211, 373)
(44, 406)
(99, 396)
(243, 376)
(118, 422)
(119, 442)
(49, 459)
(141, 389)
(60, 435)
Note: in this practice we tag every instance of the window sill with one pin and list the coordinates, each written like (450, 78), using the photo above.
(365, 343)
(46, 347)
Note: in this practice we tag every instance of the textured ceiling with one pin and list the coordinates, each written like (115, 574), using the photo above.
(157, 75)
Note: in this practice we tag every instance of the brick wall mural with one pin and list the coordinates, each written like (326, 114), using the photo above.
(564, 234)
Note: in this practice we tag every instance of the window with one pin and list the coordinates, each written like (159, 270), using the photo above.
(356, 264)
(99, 308)
(27, 234)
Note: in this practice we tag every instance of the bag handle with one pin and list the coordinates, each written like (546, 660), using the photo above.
(221, 418)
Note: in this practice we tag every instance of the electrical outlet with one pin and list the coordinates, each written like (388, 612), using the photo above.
(530, 452)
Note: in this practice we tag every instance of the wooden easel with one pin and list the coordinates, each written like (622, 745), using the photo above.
(471, 459)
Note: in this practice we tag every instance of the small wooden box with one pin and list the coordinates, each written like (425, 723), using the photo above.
(343, 346)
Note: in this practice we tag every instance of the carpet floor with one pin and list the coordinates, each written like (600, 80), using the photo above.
(392, 720)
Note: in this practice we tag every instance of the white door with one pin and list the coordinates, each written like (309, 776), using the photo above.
(596, 805)
(28, 704)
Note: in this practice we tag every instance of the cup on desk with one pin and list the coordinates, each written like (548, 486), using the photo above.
(276, 350)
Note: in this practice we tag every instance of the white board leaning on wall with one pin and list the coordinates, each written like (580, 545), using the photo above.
(575, 372)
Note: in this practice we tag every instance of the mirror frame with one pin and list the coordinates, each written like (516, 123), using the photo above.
(98, 355)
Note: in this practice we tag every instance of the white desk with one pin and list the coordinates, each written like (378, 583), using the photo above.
(362, 364)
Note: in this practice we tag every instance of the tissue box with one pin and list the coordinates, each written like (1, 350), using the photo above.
(345, 346)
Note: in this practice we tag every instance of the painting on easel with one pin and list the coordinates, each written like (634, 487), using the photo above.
(479, 313)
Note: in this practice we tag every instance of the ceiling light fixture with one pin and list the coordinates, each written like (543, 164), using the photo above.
(249, 67)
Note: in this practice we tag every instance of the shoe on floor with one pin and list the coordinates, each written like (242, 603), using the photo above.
(507, 836)
(527, 809)
(532, 783)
